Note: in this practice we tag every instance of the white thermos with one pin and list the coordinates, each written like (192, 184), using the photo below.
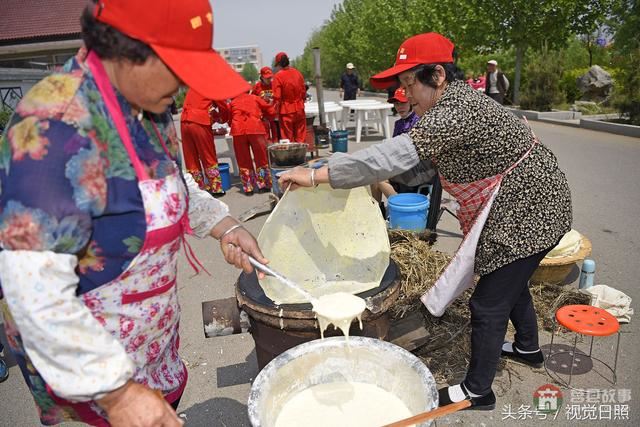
(587, 273)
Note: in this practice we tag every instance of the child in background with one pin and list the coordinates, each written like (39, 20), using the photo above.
(264, 90)
(249, 137)
(411, 180)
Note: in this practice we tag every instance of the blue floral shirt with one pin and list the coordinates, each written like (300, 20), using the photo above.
(66, 182)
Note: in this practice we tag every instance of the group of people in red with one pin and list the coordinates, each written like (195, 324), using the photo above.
(272, 110)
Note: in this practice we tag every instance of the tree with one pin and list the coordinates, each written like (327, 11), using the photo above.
(542, 89)
(249, 72)
(626, 25)
(524, 23)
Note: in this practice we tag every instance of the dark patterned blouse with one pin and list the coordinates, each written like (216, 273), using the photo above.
(468, 136)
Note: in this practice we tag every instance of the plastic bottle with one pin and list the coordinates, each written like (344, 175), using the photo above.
(587, 273)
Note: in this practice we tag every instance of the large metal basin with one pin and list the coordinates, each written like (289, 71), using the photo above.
(288, 154)
(366, 360)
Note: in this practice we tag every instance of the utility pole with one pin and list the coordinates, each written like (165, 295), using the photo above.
(319, 91)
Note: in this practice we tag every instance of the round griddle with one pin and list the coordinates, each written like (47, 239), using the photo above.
(249, 287)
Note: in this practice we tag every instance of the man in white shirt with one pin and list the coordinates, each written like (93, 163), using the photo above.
(497, 83)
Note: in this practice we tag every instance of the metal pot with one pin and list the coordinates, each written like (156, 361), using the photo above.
(288, 154)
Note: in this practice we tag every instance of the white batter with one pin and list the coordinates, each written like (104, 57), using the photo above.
(342, 404)
(339, 309)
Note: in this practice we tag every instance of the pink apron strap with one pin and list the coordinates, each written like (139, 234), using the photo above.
(109, 96)
(159, 135)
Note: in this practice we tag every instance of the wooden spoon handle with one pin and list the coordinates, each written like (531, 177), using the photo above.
(435, 413)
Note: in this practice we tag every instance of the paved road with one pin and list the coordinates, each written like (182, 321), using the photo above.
(605, 180)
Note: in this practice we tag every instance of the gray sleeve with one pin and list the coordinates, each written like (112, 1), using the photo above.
(373, 164)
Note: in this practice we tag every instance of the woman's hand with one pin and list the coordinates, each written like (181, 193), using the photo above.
(303, 177)
(236, 243)
(135, 405)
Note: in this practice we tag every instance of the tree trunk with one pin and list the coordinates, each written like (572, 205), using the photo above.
(516, 79)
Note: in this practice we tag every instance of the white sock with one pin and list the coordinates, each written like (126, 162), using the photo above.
(509, 347)
(456, 394)
(470, 393)
(526, 352)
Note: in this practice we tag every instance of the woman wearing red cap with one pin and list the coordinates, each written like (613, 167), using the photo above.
(264, 90)
(289, 94)
(515, 202)
(247, 112)
(197, 142)
(89, 252)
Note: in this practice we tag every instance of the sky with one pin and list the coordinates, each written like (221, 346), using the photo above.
(274, 25)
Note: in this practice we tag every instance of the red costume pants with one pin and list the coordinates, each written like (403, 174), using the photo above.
(199, 152)
(293, 126)
(258, 176)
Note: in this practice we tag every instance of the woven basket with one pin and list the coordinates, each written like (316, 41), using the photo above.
(556, 270)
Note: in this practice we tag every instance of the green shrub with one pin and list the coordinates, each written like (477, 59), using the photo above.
(541, 90)
(569, 83)
(5, 115)
(180, 97)
(626, 96)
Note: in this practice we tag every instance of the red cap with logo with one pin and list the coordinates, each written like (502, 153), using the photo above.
(399, 96)
(280, 55)
(181, 34)
(428, 48)
(266, 72)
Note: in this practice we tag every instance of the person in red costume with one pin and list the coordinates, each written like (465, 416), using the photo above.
(197, 142)
(249, 136)
(264, 90)
(289, 94)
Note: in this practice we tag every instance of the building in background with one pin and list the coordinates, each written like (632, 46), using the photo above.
(237, 56)
(36, 36)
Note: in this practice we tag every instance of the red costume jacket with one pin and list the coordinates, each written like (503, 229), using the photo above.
(289, 92)
(247, 111)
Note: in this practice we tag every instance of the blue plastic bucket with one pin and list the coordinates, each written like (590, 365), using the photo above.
(408, 211)
(339, 141)
(225, 175)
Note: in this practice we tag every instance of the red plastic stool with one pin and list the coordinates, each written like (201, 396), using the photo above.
(584, 320)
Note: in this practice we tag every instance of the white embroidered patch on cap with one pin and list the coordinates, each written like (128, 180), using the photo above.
(403, 56)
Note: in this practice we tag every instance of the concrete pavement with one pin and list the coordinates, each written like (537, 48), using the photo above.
(605, 180)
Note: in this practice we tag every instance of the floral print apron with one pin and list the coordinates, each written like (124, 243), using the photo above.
(139, 307)
(475, 200)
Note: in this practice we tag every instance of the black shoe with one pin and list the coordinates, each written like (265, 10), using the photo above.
(217, 195)
(264, 190)
(4, 371)
(482, 403)
(535, 360)
(248, 193)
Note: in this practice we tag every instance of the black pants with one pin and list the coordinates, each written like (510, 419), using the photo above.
(350, 95)
(501, 296)
(498, 97)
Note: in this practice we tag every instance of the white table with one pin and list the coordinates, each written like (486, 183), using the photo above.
(347, 107)
(331, 110)
(380, 111)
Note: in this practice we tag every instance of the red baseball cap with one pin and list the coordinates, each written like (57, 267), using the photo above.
(181, 34)
(266, 72)
(427, 48)
(399, 96)
(280, 55)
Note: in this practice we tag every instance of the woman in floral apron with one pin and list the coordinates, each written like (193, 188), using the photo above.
(93, 212)
(515, 202)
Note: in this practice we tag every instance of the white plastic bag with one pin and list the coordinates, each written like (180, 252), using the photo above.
(614, 301)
